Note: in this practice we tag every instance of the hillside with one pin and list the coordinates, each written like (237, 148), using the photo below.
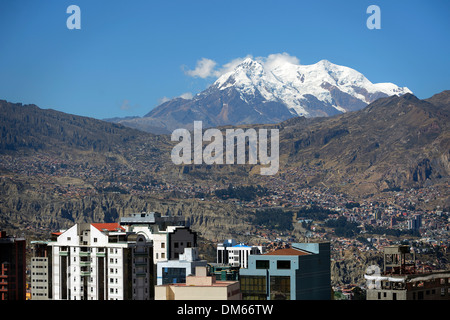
(395, 142)
(57, 169)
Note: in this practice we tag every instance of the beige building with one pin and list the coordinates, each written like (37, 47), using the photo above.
(199, 287)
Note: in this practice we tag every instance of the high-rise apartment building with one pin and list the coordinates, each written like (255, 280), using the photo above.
(101, 261)
(12, 267)
(169, 234)
(415, 223)
(41, 271)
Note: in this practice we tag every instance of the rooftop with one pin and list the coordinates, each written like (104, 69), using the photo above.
(108, 226)
(287, 252)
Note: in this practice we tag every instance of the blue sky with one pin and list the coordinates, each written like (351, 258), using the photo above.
(129, 55)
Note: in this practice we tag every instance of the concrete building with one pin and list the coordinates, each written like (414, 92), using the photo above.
(41, 271)
(101, 261)
(168, 233)
(400, 280)
(415, 223)
(176, 271)
(12, 267)
(298, 273)
(200, 286)
(234, 254)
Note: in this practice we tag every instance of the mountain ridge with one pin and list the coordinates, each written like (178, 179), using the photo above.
(261, 92)
(395, 144)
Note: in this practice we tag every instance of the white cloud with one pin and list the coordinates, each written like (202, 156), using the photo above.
(203, 69)
(126, 106)
(276, 59)
(227, 67)
(187, 95)
(207, 68)
(163, 99)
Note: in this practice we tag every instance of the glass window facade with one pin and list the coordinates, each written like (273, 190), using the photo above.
(174, 275)
(254, 288)
(280, 288)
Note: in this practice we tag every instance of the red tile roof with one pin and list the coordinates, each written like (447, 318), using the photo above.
(287, 252)
(108, 226)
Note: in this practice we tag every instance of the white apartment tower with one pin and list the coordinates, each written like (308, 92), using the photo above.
(101, 261)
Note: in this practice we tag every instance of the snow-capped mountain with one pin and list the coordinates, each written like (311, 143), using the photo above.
(259, 92)
(335, 86)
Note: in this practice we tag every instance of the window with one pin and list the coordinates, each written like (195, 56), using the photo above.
(284, 264)
(174, 275)
(262, 264)
(280, 288)
(254, 288)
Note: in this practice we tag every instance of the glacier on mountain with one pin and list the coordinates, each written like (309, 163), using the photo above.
(292, 83)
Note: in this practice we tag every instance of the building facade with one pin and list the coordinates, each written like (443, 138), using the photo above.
(12, 267)
(41, 271)
(200, 286)
(101, 261)
(176, 271)
(399, 278)
(298, 273)
(236, 254)
(169, 234)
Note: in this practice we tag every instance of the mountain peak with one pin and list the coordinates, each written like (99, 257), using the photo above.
(302, 88)
(325, 62)
(248, 62)
(273, 89)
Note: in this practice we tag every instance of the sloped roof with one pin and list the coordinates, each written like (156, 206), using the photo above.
(114, 226)
(287, 252)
